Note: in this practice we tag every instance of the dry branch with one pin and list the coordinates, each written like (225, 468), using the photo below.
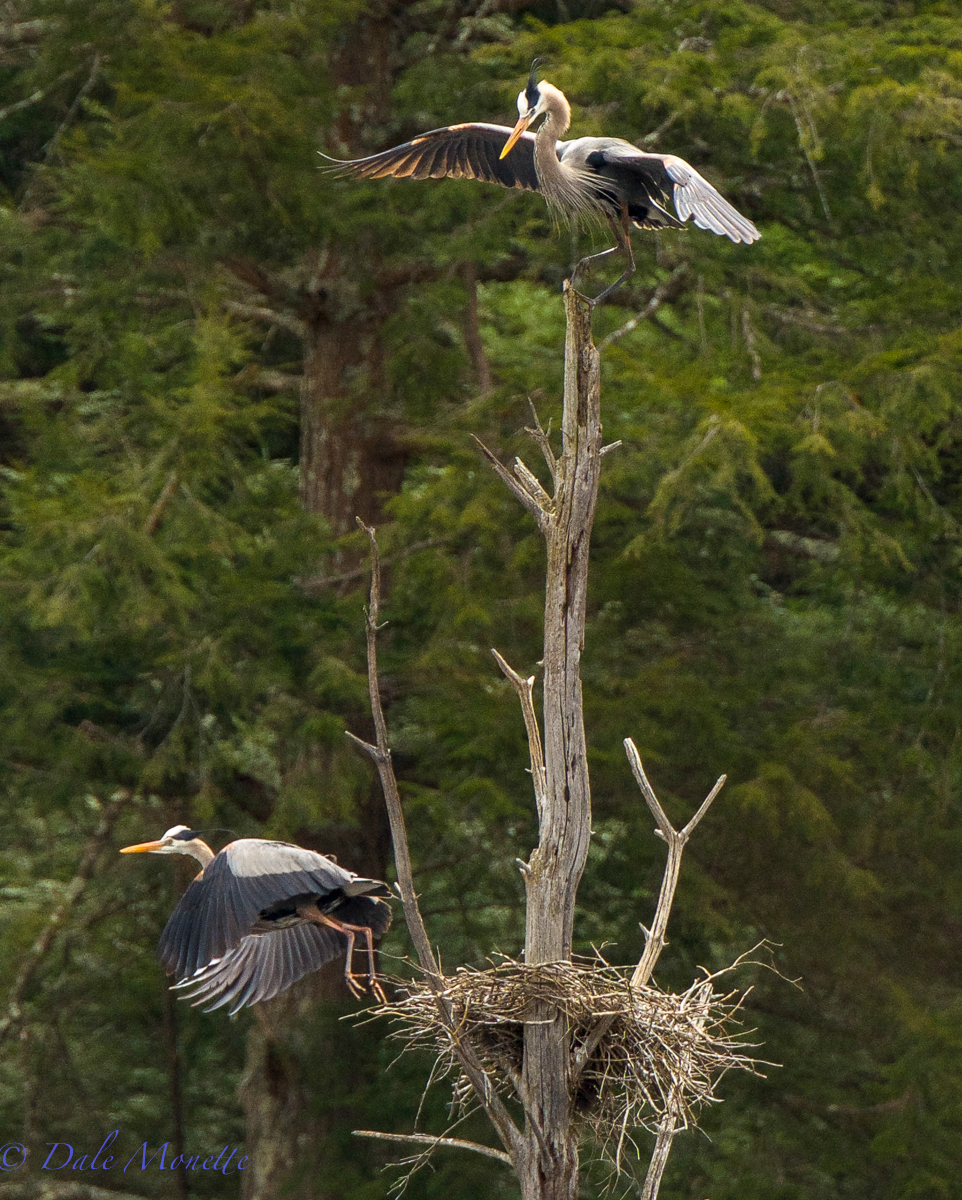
(427, 1139)
(580, 1046)
(525, 690)
(381, 754)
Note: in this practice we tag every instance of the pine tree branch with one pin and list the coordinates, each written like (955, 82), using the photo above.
(13, 1015)
(666, 291)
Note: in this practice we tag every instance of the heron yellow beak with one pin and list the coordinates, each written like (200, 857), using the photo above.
(522, 125)
(142, 848)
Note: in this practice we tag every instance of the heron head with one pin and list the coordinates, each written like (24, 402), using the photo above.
(535, 100)
(530, 105)
(177, 840)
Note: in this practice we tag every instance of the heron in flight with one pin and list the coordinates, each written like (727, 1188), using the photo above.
(606, 178)
(260, 916)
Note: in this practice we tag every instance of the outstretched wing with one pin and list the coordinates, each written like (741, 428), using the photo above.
(265, 964)
(695, 198)
(469, 151)
(650, 185)
(220, 907)
(262, 966)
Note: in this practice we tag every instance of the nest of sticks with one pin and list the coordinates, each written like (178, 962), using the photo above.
(660, 1055)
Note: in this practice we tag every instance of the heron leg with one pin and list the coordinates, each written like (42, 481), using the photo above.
(623, 233)
(350, 932)
(585, 263)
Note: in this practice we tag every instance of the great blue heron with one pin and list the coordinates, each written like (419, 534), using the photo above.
(261, 915)
(592, 177)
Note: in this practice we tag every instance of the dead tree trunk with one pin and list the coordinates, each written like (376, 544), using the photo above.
(543, 1151)
(549, 1164)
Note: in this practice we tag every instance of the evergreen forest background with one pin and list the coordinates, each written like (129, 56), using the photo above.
(214, 357)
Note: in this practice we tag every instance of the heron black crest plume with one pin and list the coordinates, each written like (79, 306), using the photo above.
(532, 89)
(261, 915)
(585, 178)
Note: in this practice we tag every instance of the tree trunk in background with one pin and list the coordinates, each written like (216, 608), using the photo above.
(350, 459)
(305, 1067)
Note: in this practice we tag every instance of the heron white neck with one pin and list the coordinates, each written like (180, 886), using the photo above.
(558, 110)
(199, 850)
(568, 190)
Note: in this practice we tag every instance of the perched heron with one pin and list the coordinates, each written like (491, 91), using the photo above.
(605, 178)
(261, 915)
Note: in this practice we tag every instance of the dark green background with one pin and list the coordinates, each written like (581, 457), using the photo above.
(776, 579)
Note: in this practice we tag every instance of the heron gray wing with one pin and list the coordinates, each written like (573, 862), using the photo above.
(249, 876)
(695, 198)
(261, 967)
(468, 151)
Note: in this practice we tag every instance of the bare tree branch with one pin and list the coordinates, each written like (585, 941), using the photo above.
(74, 108)
(676, 841)
(531, 483)
(540, 435)
(318, 582)
(472, 331)
(426, 1139)
(530, 502)
(33, 98)
(20, 33)
(525, 690)
(153, 519)
(270, 381)
(258, 312)
(751, 343)
(381, 754)
(655, 936)
(673, 1118)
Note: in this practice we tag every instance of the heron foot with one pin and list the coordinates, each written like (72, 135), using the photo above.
(356, 984)
(355, 988)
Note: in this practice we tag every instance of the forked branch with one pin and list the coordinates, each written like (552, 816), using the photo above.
(676, 840)
(655, 940)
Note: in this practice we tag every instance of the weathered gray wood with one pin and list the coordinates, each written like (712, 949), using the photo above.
(548, 1166)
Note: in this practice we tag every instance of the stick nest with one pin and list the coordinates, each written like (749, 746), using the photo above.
(659, 1055)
